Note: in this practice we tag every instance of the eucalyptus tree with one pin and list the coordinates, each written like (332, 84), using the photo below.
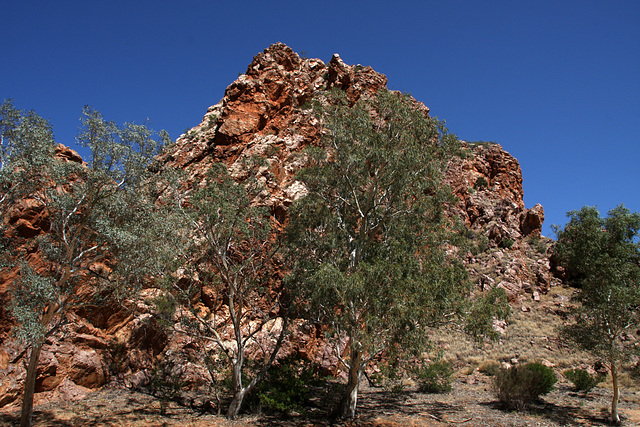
(371, 244)
(103, 237)
(602, 257)
(232, 251)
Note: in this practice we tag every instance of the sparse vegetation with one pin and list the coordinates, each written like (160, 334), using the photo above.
(481, 183)
(376, 272)
(602, 256)
(583, 380)
(507, 243)
(520, 385)
(434, 377)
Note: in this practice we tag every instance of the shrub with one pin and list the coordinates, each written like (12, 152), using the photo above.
(516, 387)
(583, 380)
(507, 243)
(481, 182)
(165, 385)
(435, 377)
(286, 387)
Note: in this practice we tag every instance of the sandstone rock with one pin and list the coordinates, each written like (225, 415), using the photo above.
(532, 219)
(67, 154)
(87, 369)
(264, 113)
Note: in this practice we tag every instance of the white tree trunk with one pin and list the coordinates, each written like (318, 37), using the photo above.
(350, 400)
(615, 417)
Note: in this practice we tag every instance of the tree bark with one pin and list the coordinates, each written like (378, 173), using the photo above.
(236, 384)
(240, 392)
(236, 403)
(616, 395)
(30, 386)
(351, 396)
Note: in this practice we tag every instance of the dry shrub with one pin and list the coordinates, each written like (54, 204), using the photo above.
(518, 386)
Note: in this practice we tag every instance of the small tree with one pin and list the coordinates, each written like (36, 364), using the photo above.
(602, 256)
(370, 239)
(233, 251)
(104, 233)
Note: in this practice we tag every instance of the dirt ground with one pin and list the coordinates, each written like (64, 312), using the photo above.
(470, 403)
(528, 337)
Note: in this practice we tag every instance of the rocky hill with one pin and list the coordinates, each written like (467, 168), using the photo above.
(264, 113)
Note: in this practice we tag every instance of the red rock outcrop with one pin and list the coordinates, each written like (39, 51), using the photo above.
(488, 184)
(264, 113)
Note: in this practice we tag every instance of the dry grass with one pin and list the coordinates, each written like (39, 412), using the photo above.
(531, 336)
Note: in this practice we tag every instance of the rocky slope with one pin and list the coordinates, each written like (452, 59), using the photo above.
(263, 113)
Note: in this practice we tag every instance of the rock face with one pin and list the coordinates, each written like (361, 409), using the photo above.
(263, 113)
(510, 252)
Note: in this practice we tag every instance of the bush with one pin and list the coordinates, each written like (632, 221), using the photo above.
(165, 385)
(583, 380)
(518, 386)
(435, 377)
(286, 387)
(507, 243)
(481, 182)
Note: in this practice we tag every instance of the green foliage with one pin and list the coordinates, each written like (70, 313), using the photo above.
(540, 244)
(165, 384)
(228, 246)
(583, 380)
(477, 243)
(93, 221)
(481, 182)
(434, 377)
(487, 307)
(103, 227)
(507, 243)
(26, 149)
(30, 295)
(121, 152)
(602, 256)
(287, 386)
(369, 238)
(520, 385)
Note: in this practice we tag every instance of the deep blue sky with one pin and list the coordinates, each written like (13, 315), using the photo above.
(556, 83)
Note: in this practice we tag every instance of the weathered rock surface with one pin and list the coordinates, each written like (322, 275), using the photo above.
(263, 113)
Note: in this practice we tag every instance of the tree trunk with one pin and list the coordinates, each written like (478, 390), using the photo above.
(236, 404)
(238, 391)
(616, 395)
(351, 397)
(30, 386)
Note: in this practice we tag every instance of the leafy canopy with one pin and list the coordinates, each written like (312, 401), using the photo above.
(370, 238)
(100, 225)
(602, 256)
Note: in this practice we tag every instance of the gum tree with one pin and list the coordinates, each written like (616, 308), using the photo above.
(370, 238)
(602, 257)
(103, 231)
(232, 250)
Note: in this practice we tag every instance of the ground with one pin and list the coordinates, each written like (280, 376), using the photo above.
(530, 335)
(470, 403)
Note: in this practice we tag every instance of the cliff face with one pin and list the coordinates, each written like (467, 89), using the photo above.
(262, 113)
